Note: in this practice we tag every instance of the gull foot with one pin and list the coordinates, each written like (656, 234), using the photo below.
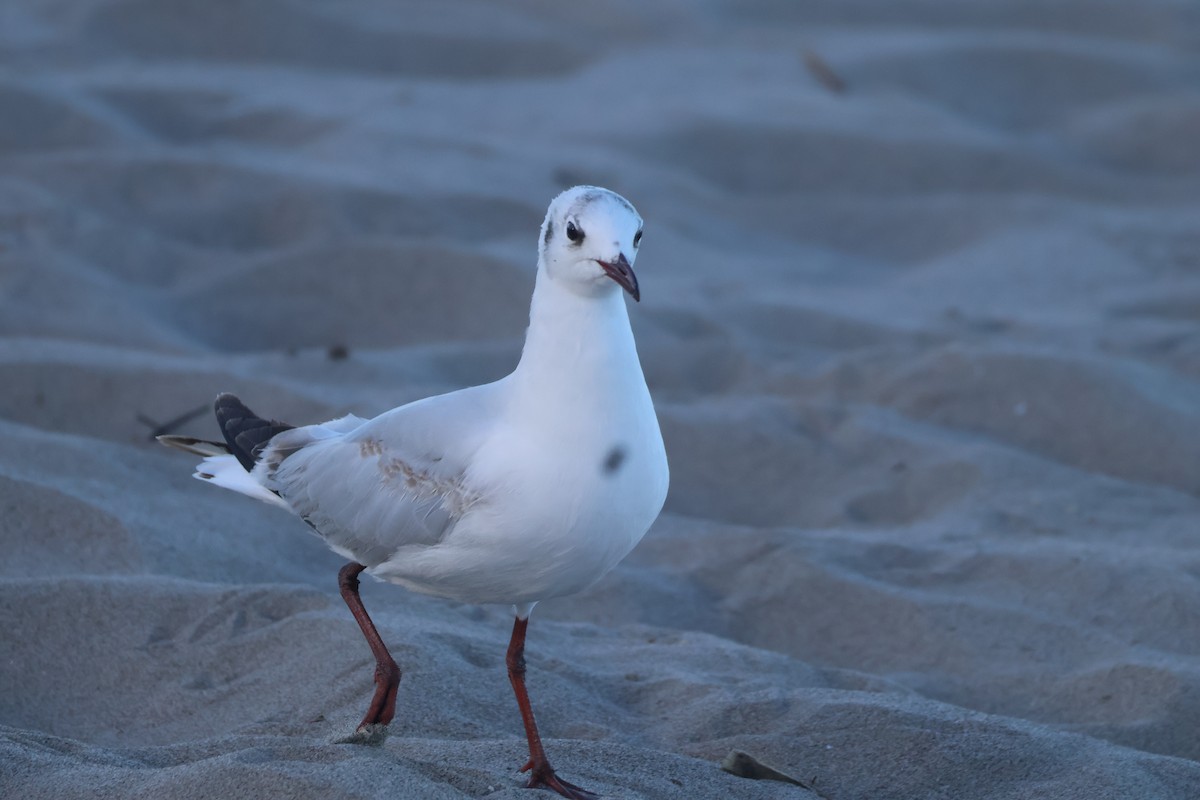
(543, 777)
(372, 735)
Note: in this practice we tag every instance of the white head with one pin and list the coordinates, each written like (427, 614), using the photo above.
(590, 240)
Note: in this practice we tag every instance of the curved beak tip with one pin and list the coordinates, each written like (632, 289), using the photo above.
(622, 273)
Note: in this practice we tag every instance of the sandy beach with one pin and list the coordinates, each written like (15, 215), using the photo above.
(920, 313)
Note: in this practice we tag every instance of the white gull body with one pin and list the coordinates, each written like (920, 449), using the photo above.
(516, 491)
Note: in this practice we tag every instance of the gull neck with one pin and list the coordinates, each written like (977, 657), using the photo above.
(575, 346)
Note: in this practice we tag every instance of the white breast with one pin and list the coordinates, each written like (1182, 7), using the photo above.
(569, 479)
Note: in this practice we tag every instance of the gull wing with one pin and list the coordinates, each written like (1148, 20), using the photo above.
(399, 479)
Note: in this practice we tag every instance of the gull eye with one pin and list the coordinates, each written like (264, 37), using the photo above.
(573, 233)
(637, 238)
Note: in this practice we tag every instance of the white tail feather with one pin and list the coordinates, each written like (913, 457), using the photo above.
(226, 472)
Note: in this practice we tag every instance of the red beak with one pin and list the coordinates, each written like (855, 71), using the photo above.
(622, 273)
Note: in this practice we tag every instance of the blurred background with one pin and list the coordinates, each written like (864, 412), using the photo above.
(921, 307)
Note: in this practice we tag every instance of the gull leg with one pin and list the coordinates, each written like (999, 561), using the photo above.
(387, 674)
(541, 774)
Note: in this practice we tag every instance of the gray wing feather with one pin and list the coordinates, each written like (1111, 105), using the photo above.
(397, 480)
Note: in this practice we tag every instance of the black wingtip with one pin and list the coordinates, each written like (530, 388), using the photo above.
(245, 432)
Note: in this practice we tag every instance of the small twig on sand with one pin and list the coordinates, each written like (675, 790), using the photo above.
(824, 73)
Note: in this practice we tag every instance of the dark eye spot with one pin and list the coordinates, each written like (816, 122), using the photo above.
(573, 233)
(637, 238)
(613, 460)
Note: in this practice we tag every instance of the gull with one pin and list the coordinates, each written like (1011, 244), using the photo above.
(513, 492)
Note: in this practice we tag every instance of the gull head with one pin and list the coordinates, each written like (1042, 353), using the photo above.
(590, 240)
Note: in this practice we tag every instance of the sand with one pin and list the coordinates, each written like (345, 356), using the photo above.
(921, 285)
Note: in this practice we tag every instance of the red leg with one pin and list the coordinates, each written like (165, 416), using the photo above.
(387, 674)
(541, 774)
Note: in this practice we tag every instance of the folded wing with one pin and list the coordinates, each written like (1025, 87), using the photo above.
(399, 479)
